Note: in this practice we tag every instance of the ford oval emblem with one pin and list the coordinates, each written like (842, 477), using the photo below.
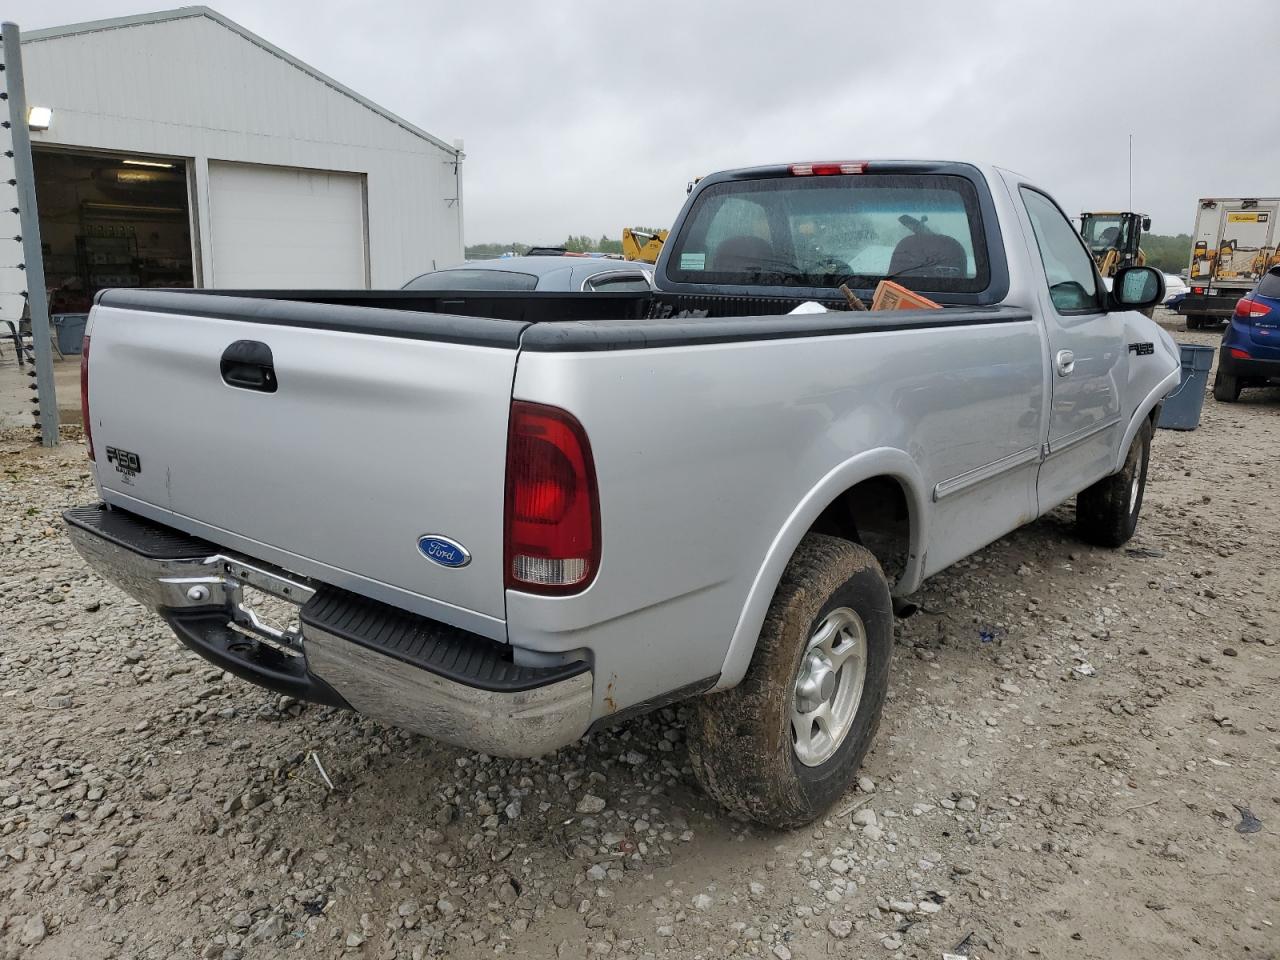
(442, 550)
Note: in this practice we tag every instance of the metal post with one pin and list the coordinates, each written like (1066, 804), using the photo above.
(24, 173)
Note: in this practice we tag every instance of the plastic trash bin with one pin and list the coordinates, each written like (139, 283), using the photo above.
(1182, 407)
(69, 329)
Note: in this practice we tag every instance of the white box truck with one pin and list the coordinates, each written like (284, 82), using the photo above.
(1233, 245)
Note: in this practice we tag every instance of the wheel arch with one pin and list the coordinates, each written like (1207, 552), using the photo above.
(1143, 412)
(881, 464)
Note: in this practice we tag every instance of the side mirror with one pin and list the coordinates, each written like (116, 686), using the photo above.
(1146, 224)
(1137, 288)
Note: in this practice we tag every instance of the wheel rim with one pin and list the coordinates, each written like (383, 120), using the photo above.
(829, 687)
(1134, 487)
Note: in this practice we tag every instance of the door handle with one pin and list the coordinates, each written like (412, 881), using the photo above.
(248, 364)
(1066, 362)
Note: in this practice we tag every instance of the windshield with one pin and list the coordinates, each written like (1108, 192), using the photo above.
(1101, 231)
(824, 231)
(463, 279)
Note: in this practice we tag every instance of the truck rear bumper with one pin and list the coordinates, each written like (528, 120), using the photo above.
(345, 650)
(1255, 368)
(1219, 306)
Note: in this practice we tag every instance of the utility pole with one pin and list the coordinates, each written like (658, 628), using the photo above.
(1131, 171)
(32, 258)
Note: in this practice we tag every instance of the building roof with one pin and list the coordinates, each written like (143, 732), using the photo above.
(181, 13)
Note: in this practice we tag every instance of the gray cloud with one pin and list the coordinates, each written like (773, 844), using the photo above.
(584, 118)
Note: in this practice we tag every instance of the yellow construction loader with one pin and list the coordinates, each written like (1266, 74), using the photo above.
(1115, 239)
(642, 245)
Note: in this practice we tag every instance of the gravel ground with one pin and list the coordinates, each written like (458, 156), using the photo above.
(1075, 743)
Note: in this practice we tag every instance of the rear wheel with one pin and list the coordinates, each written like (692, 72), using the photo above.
(1107, 512)
(1194, 322)
(785, 743)
(1226, 388)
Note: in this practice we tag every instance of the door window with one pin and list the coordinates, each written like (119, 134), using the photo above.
(1073, 285)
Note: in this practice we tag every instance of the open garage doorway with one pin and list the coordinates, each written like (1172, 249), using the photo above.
(111, 220)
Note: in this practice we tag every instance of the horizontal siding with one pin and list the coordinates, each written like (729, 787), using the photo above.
(193, 88)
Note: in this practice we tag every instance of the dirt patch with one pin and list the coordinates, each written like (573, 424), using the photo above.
(1071, 738)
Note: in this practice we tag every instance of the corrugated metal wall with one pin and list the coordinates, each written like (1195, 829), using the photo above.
(194, 88)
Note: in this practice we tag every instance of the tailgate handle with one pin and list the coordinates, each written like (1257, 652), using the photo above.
(248, 364)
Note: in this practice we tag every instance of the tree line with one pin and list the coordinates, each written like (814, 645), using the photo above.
(580, 243)
(1168, 254)
(573, 244)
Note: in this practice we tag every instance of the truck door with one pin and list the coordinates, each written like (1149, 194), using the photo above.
(1086, 357)
(1243, 247)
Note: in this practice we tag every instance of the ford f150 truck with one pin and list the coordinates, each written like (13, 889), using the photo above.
(507, 519)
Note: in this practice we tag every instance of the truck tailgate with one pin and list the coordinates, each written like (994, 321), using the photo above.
(384, 427)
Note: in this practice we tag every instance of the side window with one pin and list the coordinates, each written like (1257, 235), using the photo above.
(1068, 268)
(620, 283)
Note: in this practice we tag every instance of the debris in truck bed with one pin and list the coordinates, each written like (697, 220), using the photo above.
(894, 296)
(855, 301)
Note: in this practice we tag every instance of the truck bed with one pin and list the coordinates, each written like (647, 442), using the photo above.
(389, 422)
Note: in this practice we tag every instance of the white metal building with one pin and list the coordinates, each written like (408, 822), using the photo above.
(184, 150)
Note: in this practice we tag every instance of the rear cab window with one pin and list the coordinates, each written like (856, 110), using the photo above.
(924, 230)
(463, 279)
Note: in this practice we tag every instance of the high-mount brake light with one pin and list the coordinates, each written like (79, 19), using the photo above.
(827, 169)
(84, 395)
(552, 523)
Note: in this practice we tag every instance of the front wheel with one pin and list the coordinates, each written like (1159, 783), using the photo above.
(1107, 512)
(787, 742)
(1226, 389)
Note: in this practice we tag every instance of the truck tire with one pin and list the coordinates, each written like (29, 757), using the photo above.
(1194, 322)
(787, 742)
(1107, 512)
(1226, 389)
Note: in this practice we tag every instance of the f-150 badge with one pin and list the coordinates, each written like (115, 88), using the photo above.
(442, 550)
(1142, 349)
(127, 464)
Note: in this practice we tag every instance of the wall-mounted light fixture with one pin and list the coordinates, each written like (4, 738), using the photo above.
(39, 118)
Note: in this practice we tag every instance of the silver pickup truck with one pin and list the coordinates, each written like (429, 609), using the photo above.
(507, 519)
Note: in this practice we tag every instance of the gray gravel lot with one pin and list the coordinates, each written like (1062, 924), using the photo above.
(1070, 738)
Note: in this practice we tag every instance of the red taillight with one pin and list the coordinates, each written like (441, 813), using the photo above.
(1238, 354)
(552, 525)
(1248, 309)
(84, 395)
(826, 169)
(1197, 289)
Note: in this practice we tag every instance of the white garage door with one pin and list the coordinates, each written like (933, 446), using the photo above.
(286, 227)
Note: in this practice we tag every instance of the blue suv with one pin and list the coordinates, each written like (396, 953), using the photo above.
(1250, 351)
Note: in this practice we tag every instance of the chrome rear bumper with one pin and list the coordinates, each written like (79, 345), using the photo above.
(506, 710)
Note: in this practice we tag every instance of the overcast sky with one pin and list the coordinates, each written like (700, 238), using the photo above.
(586, 118)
